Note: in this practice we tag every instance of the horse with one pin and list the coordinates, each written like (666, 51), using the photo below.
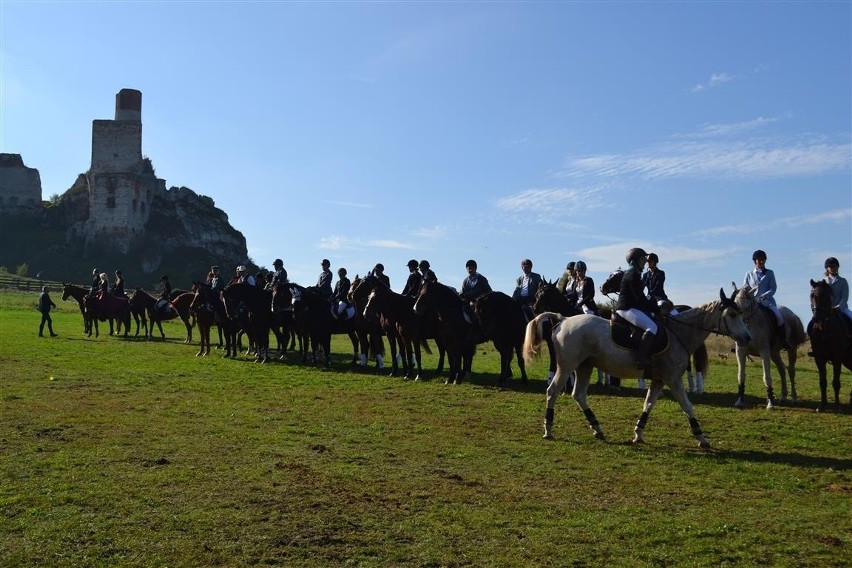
(583, 342)
(830, 341)
(456, 332)
(283, 323)
(313, 316)
(259, 304)
(106, 307)
(503, 321)
(396, 314)
(203, 307)
(698, 361)
(376, 323)
(765, 343)
(78, 293)
(177, 308)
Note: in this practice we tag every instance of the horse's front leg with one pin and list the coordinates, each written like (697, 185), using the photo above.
(680, 395)
(519, 355)
(650, 399)
(837, 366)
(776, 358)
(766, 361)
(741, 373)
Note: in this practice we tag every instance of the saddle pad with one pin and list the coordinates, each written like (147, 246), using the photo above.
(628, 336)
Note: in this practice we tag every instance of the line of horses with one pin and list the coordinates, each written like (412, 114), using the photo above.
(301, 319)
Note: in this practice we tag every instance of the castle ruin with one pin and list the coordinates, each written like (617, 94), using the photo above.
(20, 186)
(121, 183)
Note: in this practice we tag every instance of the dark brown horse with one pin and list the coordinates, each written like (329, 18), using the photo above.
(106, 307)
(258, 303)
(456, 332)
(830, 341)
(313, 315)
(79, 294)
(502, 320)
(177, 308)
(395, 313)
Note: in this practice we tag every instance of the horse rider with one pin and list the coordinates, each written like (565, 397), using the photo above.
(103, 283)
(635, 307)
(324, 281)
(426, 272)
(96, 282)
(244, 276)
(654, 281)
(475, 285)
(217, 283)
(340, 294)
(528, 284)
(280, 275)
(568, 284)
(839, 287)
(584, 289)
(412, 285)
(118, 286)
(379, 273)
(165, 296)
(762, 281)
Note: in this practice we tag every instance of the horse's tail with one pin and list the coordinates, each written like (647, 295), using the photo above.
(701, 360)
(535, 333)
(797, 334)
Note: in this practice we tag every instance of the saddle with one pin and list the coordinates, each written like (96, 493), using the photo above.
(342, 311)
(162, 306)
(628, 336)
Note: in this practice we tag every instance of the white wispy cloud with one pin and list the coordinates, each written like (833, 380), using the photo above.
(431, 233)
(338, 242)
(726, 159)
(612, 254)
(550, 199)
(388, 243)
(727, 129)
(837, 215)
(716, 79)
(334, 243)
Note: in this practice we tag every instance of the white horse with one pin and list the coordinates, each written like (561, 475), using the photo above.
(584, 342)
(766, 344)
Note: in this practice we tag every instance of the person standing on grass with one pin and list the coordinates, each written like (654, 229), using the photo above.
(44, 306)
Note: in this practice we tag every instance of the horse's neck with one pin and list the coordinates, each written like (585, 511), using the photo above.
(696, 325)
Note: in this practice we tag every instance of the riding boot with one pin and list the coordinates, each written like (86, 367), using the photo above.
(643, 352)
(782, 337)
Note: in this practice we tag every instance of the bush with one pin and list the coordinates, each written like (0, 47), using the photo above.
(22, 269)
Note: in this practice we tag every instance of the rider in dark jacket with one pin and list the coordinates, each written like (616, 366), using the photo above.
(635, 307)
(412, 285)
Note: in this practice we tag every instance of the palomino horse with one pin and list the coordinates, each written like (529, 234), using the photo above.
(698, 361)
(765, 343)
(78, 293)
(502, 320)
(584, 342)
(830, 341)
(106, 307)
(177, 308)
(396, 313)
(456, 332)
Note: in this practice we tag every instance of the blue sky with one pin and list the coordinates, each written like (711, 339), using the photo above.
(372, 132)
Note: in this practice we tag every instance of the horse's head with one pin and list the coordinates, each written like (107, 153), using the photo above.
(731, 321)
(612, 284)
(362, 287)
(743, 299)
(821, 303)
(545, 297)
(66, 290)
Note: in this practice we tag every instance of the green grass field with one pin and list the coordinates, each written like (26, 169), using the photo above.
(119, 452)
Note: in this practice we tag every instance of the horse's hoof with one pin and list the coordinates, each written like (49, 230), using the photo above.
(770, 405)
(637, 441)
(704, 445)
(739, 403)
(548, 436)
(600, 435)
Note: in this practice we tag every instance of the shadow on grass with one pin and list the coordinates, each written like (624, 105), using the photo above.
(782, 458)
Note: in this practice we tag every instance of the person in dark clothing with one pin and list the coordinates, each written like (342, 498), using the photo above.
(528, 284)
(584, 290)
(379, 272)
(280, 275)
(96, 282)
(118, 287)
(654, 280)
(324, 281)
(44, 306)
(341, 289)
(103, 284)
(475, 285)
(412, 285)
(426, 272)
(570, 284)
(635, 307)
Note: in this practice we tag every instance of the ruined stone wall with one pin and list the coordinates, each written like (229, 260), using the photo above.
(116, 145)
(20, 186)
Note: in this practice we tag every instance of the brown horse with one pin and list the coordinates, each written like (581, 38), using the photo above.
(106, 307)
(503, 321)
(312, 314)
(204, 311)
(830, 341)
(78, 293)
(456, 332)
(177, 308)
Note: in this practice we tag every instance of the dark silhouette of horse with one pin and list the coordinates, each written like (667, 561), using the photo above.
(106, 307)
(258, 303)
(455, 330)
(206, 312)
(313, 315)
(830, 341)
(502, 320)
(79, 294)
(395, 313)
(177, 308)
(283, 323)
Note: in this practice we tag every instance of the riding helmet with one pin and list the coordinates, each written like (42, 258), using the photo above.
(278, 262)
(470, 263)
(424, 264)
(412, 263)
(580, 265)
(241, 268)
(380, 267)
(325, 262)
(831, 261)
(634, 254)
(758, 255)
(652, 257)
(571, 265)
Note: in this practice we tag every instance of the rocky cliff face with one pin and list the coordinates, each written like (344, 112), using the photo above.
(184, 235)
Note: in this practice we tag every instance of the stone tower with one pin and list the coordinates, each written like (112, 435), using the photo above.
(20, 186)
(121, 182)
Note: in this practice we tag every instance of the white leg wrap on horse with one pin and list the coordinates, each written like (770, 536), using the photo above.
(380, 362)
(362, 362)
(550, 377)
